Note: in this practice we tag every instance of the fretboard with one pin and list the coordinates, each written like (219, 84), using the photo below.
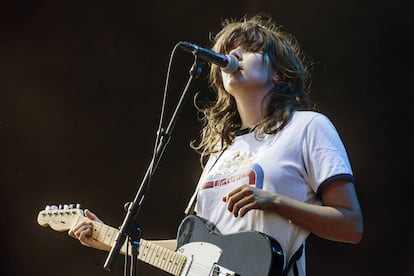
(151, 253)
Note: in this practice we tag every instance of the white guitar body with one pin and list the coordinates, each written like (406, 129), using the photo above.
(200, 255)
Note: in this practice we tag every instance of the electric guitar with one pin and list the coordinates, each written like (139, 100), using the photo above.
(201, 249)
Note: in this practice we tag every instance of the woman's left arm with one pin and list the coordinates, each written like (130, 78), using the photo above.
(338, 219)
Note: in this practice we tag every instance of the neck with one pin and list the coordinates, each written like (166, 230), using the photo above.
(251, 110)
(249, 117)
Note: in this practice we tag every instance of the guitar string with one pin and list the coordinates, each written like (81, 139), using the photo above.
(196, 268)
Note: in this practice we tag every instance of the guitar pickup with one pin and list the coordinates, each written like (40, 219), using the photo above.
(218, 270)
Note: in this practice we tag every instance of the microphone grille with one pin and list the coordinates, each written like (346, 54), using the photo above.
(232, 64)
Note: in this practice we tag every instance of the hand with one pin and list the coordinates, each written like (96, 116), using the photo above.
(245, 198)
(83, 232)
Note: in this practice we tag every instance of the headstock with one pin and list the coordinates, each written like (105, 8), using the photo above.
(59, 218)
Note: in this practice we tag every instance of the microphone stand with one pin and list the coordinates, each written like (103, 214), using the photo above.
(129, 227)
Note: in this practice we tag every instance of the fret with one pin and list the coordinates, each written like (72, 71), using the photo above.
(78, 218)
(114, 234)
(176, 263)
(158, 256)
(151, 253)
(144, 251)
(176, 267)
(155, 255)
(100, 236)
(164, 253)
(103, 233)
(183, 260)
(161, 257)
(109, 235)
(95, 231)
(170, 260)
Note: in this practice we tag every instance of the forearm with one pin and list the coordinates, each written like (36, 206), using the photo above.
(330, 222)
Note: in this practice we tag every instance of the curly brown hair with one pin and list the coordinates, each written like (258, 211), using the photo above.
(259, 33)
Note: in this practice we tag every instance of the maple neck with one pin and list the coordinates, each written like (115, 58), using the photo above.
(151, 253)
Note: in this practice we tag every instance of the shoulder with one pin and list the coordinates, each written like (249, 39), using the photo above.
(314, 125)
(307, 118)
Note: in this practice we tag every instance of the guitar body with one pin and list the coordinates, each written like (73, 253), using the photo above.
(245, 254)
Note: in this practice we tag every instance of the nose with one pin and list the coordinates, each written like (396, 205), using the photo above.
(237, 53)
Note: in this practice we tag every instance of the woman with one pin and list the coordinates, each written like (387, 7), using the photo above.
(274, 165)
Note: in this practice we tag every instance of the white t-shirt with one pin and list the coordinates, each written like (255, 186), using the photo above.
(298, 162)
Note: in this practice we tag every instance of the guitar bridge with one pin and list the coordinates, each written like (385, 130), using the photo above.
(218, 270)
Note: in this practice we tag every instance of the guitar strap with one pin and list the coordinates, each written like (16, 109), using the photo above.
(292, 262)
(191, 205)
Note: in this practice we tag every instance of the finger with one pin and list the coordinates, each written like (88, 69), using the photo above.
(82, 230)
(235, 191)
(233, 196)
(242, 204)
(236, 195)
(71, 233)
(76, 227)
(91, 215)
(84, 236)
(91, 242)
(243, 211)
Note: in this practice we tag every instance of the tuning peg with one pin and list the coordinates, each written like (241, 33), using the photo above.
(66, 209)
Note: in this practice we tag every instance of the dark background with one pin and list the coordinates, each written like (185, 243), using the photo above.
(81, 85)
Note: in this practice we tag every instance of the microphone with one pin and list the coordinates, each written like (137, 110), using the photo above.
(228, 63)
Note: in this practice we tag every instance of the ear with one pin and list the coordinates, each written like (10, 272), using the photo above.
(275, 77)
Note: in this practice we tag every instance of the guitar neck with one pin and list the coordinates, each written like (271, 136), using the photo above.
(151, 253)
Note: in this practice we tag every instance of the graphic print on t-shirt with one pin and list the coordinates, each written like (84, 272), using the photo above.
(237, 169)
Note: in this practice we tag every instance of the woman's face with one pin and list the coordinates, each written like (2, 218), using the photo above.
(255, 73)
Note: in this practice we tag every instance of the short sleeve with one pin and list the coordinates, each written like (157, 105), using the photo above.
(325, 156)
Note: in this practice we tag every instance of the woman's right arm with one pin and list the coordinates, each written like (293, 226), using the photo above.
(83, 232)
